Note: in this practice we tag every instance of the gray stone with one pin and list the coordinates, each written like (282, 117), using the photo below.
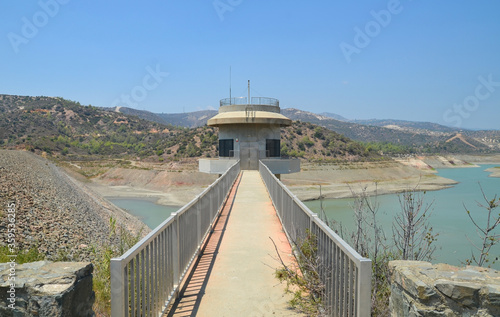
(422, 289)
(43, 288)
(464, 292)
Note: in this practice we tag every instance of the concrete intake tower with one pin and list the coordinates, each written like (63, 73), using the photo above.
(249, 131)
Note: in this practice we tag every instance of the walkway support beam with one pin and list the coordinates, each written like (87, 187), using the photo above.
(345, 274)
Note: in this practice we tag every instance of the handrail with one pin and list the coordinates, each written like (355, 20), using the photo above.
(253, 100)
(145, 280)
(345, 274)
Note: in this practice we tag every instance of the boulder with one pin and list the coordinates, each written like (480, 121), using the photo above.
(423, 289)
(44, 288)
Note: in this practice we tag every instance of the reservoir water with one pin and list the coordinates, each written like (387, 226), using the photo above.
(146, 210)
(449, 218)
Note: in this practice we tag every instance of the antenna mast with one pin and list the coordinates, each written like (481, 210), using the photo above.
(249, 91)
(230, 102)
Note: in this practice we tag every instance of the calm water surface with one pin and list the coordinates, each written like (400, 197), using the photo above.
(146, 210)
(448, 217)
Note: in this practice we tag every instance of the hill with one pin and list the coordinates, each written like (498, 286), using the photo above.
(188, 119)
(389, 136)
(67, 129)
(410, 136)
(143, 114)
(61, 127)
(410, 126)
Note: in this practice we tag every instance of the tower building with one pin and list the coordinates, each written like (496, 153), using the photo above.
(249, 131)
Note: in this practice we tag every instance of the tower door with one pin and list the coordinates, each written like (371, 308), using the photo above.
(249, 156)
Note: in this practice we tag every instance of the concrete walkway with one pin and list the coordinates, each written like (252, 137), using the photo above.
(235, 274)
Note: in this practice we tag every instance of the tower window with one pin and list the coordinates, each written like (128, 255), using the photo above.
(273, 147)
(226, 148)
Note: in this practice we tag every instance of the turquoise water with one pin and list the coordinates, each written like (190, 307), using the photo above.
(146, 210)
(449, 218)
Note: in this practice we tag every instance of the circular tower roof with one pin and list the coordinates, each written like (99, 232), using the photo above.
(262, 112)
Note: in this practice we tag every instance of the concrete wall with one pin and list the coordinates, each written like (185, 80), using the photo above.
(249, 135)
(422, 289)
(55, 289)
(215, 166)
(249, 141)
(282, 166)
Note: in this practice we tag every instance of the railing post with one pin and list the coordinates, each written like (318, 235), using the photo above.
(117, 289)
(364, 288)
(198, 221)
(213, 212)
(177, 255)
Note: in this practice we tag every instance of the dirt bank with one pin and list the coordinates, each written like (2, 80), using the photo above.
(495, 171)
(339, 181)
(449, 161)
(178, 183)
(169, 185)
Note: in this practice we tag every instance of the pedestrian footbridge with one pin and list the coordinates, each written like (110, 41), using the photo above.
(216, 256)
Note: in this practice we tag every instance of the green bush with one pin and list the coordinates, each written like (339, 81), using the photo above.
(22, 256)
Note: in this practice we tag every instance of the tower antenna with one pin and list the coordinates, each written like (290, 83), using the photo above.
(249, 91)
(230, 85)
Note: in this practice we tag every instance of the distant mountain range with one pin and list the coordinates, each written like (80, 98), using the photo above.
(421, 135)
(187, 119)
(61, 126)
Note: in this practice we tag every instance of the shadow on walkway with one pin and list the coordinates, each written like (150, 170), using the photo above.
(193, 289)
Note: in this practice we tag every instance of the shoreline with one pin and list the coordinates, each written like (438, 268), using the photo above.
(375, 178)
(350, 190)
(173, 198)
(494, 171)
(337, 181)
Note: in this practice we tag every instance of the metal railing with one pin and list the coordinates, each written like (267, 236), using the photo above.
(345, 274)
(265, 101)
(233, 101)
(146, 279)
(253, 100)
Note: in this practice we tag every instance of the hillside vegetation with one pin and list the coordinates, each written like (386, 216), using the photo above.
(69, 130)
(399, 137)
(389, 136)
(61, 127)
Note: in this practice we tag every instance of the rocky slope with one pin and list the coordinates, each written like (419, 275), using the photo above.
(53, 211)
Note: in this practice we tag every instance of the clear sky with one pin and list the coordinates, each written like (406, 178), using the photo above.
(419, 60)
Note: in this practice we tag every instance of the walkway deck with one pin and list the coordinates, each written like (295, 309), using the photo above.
(235, 274)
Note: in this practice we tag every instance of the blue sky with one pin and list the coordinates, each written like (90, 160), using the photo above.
(416, 60)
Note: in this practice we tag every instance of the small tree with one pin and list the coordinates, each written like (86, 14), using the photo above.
(303, 279)
(413, 237)
(486, 233)
(369, 240)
